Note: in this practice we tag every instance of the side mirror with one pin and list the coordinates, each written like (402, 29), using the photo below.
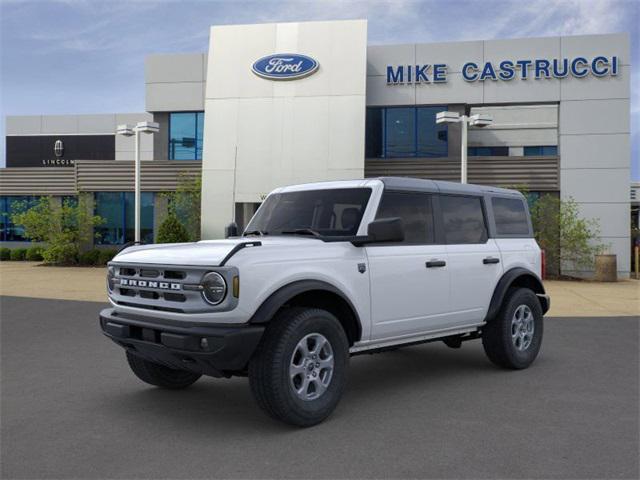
(231, 230)
(383, 230)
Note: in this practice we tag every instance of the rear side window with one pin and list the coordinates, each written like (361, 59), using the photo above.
(416, 213)
(463, 219)
(510, 215)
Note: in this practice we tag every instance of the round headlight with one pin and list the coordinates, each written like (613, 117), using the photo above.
(214, 288)
(111, 272)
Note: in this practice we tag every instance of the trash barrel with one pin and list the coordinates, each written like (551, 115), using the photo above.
(606, 268)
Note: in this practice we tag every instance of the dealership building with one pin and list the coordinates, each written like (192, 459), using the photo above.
(276, 104)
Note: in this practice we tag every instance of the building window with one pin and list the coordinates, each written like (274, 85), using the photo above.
(541, 151)
(117, 209)
(185, 135)
(488, 151)
(9, 232)
(401, 132)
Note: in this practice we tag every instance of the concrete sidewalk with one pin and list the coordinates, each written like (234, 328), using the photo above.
(568, 298)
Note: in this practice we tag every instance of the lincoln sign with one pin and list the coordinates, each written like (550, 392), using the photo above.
(506, 70)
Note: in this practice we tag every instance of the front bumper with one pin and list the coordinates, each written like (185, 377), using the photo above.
(227, 348)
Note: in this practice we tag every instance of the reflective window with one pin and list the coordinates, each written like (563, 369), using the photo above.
(9, 232)
(117, 209)
(400, 132)
(541, 151)
(488, 151)
(463, 219)
(415, 211)
(330, 212)
(185, 135)
(510, 216)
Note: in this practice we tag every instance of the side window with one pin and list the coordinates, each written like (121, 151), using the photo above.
(510, 215)
(463, 219)
(415, 211)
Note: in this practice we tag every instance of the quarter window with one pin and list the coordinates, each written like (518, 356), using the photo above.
(510, 216)
(415, 211)
(463, 219)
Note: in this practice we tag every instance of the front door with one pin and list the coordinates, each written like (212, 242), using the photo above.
(409, 280)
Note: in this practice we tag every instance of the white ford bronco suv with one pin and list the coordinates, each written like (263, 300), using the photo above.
(328, 270)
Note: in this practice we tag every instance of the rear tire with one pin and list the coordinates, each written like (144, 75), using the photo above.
(299, 371)
(159, 375)
(513, 338)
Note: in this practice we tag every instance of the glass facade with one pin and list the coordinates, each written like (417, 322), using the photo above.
(185, 135)
(541, 151)
(400, 132)
(488, 151)
(9, 232)
(117, 209)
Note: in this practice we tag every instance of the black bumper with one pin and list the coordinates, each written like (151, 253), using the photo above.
(545, 302)
(210, 350)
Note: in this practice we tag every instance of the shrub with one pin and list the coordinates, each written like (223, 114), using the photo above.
(5, 254)
(184, 203)
(65, 254)
(106, 256)
(18, 254)
(64, 227)
(34, 254)
(90, 257)
(172, 231)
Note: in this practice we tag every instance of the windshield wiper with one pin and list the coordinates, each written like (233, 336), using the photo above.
(302, 231)
(259, 233)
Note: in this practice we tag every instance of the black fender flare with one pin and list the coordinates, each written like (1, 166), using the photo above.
(507, 279)
(280, 297)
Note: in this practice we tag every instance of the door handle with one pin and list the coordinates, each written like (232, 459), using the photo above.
(435, 263)
(490, 260)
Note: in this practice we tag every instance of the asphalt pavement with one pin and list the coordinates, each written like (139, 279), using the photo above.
(72, 409)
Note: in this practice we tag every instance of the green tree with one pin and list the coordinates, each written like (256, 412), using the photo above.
(65, 227)
(172, 231)
(184, 203)
(570, 241)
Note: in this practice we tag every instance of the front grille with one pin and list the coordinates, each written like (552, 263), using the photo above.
(167, 288)
(154, 288)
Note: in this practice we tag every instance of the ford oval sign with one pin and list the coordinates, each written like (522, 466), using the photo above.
(285, 66)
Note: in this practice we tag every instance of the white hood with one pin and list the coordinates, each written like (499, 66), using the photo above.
(204, 253)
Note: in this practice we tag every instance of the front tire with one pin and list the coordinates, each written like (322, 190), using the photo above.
(513, 338)
(159, 375)
(299, 370)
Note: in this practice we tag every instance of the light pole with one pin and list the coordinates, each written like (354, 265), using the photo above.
(477, 120)
(128, 131)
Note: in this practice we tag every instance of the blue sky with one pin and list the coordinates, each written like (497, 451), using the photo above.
(83, 56)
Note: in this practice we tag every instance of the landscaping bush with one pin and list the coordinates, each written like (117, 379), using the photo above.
(5, 254)
(172, 231)
(106, 256)
(64, 228)
(34, 254)
(18, 254)
(90, 257)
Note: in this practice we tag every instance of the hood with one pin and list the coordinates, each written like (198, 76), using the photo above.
(203, 253)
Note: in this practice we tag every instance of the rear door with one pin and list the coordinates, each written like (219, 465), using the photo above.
(474, 258)
(409, 280)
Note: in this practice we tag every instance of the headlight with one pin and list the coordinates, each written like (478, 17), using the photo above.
(111, 272)
(214, 288)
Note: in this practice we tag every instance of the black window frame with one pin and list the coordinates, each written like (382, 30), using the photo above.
(485, 218)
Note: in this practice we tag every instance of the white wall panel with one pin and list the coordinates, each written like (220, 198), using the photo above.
(595, 151)
(594, 117)
(284, 132)
(174, 97)
(596, 185)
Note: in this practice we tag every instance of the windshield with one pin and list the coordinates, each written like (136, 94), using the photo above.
(328, 212)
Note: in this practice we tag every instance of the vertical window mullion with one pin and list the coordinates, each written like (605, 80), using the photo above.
(384, 132)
